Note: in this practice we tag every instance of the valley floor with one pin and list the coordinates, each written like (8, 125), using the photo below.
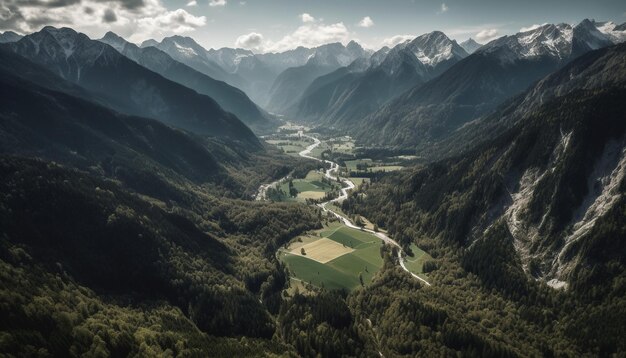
(346, 270)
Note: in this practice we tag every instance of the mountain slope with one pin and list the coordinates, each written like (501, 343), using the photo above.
(391, 72)
(9, 36)
(292, 82)
(128, 87)
(101, 267)
(186, 50)
(476, 85)
(230, 98)
(140, 152)
(229, 58)
(470, 46)
(550, 188)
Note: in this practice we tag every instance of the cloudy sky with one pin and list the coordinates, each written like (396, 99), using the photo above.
(276, 25)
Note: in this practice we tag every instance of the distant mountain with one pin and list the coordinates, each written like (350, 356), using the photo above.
(126, 86)
(280, 61)
(357, 91)
(230, 98)
(192, 54)
(292, 82)
(9, 36)
(470, 46)
(431, 112)
(83, 134)
(259, 77)
(256, 73)
(229, 58)
(546, 197)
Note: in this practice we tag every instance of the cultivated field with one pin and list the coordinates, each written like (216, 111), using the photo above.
(340, 255)
(372, 166)
(310, 187)
(322, 250)
(359, 181)
(292, 146)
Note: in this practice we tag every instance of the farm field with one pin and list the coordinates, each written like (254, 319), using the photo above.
(343, 145)
(354, 253)
(311, 187)
(322, 250)
(317, 151)
(358, 181)
(292, 146)
(374, 166)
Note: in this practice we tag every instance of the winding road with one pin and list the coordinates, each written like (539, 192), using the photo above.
(349, 185)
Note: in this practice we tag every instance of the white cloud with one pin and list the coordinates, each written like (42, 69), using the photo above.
(214, 3)
(487, 35)
(252, 41)
(306, 18)
(395, 40)
(177, 21)
(192, 3)
(310, 34)
(530, 28)
(443, 8)
(135, 20)
(366, 22)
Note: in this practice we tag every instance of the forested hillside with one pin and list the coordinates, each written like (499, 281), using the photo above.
(542, 205)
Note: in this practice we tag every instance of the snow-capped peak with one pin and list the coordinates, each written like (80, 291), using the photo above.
(559, 41)
(554, 40)
(185, 51)
(432, 48)
(614, 32)
(336, 54)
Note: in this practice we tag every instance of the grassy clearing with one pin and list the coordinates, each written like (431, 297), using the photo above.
(343, 145)
(317, 151)
(311, 187)
(368, 165)
(415, 263)
(369, 225)
(358, 181)
(352, 164)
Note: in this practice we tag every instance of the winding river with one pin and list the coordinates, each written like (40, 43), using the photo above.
(331, 173)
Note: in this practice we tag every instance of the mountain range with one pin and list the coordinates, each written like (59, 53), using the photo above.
(476, 85)
(9, 36)
(186, 50)
(230, 98)
(470, 46)
(126, 86)
(292, 82)
(345, 96)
